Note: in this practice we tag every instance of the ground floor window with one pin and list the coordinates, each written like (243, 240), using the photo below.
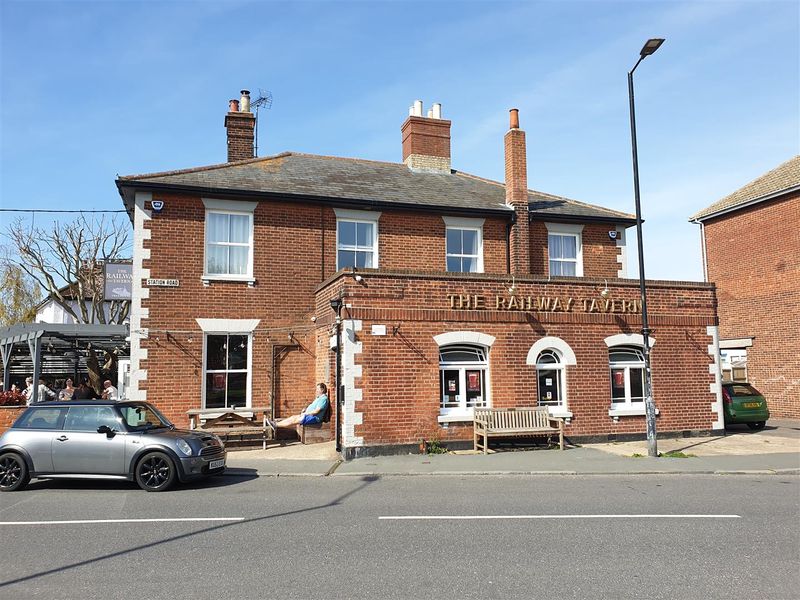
(734, 364)
(627, 376)
(227, 370)
(551, 379)
(463, 375)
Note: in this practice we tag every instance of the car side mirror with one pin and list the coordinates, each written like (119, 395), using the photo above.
(105, 429)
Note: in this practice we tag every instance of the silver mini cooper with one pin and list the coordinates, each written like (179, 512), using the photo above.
(104, 439)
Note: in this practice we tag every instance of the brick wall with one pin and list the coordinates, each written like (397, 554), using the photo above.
(9, 414)
(753, 257)
(400, 370)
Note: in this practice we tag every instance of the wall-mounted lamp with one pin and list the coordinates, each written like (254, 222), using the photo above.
(358, 278)
(605, 292)
(513, 289)
(314, 318)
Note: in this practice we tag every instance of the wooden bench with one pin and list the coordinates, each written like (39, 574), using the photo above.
(514, 422)
(314, 433)
(233, 423)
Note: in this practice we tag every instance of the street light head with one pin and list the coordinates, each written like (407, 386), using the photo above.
(650, 46)
(336, 304)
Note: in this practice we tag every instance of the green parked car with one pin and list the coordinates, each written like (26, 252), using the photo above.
(743, 403)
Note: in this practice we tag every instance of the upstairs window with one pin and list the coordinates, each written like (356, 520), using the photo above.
(229, 240)
(464, 245)
(564, 250)
(356, 244)
(356, 239)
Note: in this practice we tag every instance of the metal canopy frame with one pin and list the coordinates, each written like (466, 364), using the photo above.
(54, 337)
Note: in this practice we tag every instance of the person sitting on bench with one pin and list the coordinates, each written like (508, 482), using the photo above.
(313, 413)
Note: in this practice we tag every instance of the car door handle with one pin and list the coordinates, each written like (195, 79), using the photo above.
(62, 438)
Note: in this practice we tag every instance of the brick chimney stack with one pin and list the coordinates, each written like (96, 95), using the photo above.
(517, 196)
(426, 140)
(240, 123)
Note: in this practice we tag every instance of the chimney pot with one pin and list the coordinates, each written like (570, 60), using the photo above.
(233, 105)
(417, 108)
(437, 110)
(245, 102)
(514, 114)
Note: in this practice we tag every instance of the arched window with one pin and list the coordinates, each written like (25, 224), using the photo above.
(551, 379)
(463, 375)
(627, 376)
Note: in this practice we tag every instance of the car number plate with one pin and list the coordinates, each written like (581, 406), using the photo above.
(216, 464)
(751, 404)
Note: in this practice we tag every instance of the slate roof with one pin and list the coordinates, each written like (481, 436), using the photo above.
(360, 182)
(783, 178)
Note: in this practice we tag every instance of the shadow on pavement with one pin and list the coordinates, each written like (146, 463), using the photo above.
(365, 481)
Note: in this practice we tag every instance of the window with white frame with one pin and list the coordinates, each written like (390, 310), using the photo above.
(464, 245)
(565, 249)
(227, 370)
(626, 364)
(356, 239)
(463, 376)
(229, 239)
(551, 379)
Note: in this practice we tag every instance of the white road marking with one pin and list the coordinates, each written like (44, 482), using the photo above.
(91, 521)
(500, 517)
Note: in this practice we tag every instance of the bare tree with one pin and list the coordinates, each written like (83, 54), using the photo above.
(67, 262)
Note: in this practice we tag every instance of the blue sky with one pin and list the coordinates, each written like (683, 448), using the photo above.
(89, 90)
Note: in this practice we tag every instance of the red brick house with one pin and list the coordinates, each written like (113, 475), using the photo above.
(751, 250)
(458, 292)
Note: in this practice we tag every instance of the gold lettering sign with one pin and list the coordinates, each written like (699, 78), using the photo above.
(543, 304)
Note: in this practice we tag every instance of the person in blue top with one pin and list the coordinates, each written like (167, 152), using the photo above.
(312, 414)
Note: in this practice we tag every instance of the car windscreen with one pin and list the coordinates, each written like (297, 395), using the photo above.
(742, 389)
(44, 417)
(140, 417)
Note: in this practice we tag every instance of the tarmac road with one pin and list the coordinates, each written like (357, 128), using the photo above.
(645, 536)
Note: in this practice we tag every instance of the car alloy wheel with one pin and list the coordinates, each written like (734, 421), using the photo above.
(13, 472)
(155, 472)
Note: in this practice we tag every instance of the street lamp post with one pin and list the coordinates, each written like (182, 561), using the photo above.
(650, 409)
(336, 305)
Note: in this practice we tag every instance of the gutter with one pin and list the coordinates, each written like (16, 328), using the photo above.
(724, 211)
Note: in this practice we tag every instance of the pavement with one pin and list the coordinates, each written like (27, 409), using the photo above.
(774, 450)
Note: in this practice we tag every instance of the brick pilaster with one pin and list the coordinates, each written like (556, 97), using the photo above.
(517, 196)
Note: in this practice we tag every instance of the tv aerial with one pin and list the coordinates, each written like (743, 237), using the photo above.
(264, 100)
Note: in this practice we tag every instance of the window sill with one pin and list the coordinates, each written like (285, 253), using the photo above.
(561, 414)
(627, 412)
(455, 418)
(249, 280)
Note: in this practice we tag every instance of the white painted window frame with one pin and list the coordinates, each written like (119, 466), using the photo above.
(567, 229)
(230, 207)
(249, 385)
(470, 224)
(462, 410)
(359, 216)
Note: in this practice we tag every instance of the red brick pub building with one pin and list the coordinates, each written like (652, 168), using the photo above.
(458, 292)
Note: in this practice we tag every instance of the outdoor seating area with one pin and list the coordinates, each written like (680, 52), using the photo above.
(232, 424)
(514, 422)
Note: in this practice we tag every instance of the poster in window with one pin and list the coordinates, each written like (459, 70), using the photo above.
(451, 385)
(473, 381)
(619, 379)
(218, 382)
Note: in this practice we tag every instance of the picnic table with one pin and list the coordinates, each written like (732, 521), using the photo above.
(233, 421)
